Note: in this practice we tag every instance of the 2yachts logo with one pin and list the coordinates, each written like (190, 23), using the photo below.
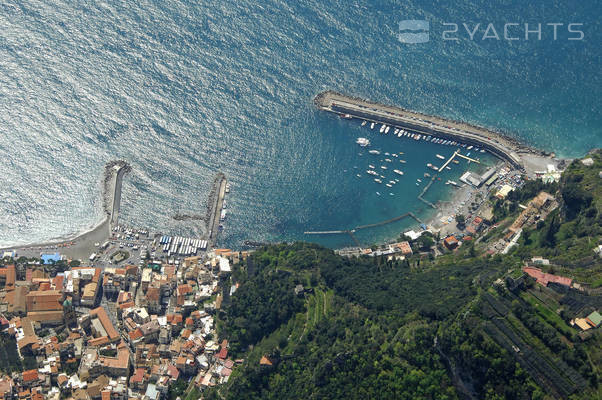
(413, 31)
(418, 31)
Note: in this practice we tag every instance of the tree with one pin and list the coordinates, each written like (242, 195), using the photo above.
(460, 220)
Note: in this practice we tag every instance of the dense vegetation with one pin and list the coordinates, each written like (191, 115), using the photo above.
(9, 358)
(422, 328)
(260, 307)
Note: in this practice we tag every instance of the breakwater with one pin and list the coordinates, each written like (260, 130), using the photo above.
(215, 204)
(497, 144)
(114, 172)
(351, 232)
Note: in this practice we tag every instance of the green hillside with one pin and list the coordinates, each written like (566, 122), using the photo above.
(450, 328)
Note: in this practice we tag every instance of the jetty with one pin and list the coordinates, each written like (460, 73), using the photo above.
(114, 172)
(501, 146)
(457, 153)
(215, 203)
(351, 232)
(426, 188)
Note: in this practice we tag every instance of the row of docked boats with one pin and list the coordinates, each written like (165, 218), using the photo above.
(400, 132)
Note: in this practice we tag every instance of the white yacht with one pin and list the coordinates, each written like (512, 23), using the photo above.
(362, 141)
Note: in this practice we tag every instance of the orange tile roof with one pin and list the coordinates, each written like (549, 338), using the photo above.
(152, 294)
(184, 289)
(45, 316)
(98, 341)
(44, 300)
(121, 361)
(30, 375)
(16, 299)
(223, 353)
(9, 273)
(181, 360)
(27, 340)
(221, 251)
(138, 376)
(101, 314)
(137, 334)
(129, 304)
(61, 379)
(545, 278)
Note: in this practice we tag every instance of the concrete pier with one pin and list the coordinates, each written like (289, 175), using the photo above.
(214, 207)
(119, 171)
(426, 188)
(497, 144)
(352, 231)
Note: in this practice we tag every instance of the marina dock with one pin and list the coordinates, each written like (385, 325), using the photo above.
(397, 117)
(457, 153)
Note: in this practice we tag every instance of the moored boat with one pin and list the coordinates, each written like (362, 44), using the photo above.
(362, 141)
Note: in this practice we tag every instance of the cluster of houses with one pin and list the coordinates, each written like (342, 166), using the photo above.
(115, 333)
(590, 319)
(454, 241)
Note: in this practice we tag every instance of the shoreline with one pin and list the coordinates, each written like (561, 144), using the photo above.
(506, 149)
(79, 245)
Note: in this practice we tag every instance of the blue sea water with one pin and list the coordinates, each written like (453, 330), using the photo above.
(182, 90)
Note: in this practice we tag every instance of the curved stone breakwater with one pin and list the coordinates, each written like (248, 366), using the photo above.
(503, 147)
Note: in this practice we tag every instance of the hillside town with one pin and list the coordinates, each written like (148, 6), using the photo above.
(92, 330)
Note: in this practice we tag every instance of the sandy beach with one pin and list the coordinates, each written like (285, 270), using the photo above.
(81, 245)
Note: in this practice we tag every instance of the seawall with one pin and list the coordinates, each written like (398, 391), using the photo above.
(501, 146)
